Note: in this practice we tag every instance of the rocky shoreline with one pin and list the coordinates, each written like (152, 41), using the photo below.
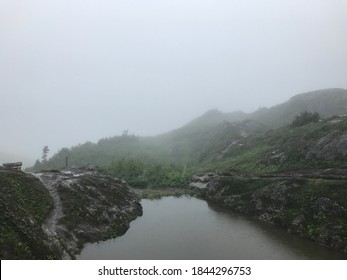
(52, 214)
(83, 206)
(313, 207)
(89, 207)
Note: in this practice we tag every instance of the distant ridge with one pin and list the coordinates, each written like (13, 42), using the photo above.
(327, 102)
(213, 117)
(204, 138)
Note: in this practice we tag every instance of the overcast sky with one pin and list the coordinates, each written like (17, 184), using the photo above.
(79, 70)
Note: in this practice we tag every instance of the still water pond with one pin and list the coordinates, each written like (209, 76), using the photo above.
(190, 228)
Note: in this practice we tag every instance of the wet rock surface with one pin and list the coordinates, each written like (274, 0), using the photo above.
(201, 180)
(314, 208)
(24, 205)
(329, 147)
(88, 207)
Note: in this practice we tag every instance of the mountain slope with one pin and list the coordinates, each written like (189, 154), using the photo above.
(210, 137)
(320, 144)
(327, 102)
(217, 130)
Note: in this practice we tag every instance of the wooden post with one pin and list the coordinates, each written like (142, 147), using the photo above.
(66, 162)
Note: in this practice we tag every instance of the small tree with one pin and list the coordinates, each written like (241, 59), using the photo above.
(45, 151)
(305, 118)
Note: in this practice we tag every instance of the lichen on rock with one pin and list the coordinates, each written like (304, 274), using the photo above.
(89, 207)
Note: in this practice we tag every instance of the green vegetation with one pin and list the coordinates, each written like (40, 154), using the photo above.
(287, 148)
(24, 203)
(219, 141)
(215, 142)
(45, 151)
(305, 118)
(327, 102)
(254, 148)
(150, 175)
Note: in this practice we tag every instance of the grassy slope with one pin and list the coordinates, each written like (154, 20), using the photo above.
(253, 154)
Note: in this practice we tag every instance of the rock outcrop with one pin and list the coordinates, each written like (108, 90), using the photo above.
(201, 180)
(313, 208)
(51, 214)
(329, 147)
(88, 207)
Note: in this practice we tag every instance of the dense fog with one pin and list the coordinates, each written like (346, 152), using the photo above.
(77, 71)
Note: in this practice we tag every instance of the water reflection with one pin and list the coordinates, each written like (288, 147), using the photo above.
(190, 228)
(302, 247)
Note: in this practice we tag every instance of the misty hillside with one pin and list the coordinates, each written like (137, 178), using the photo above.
(321, 144)
(183, 146)
(197, 141)
(209, 139)
(209, 136)
(326, 102)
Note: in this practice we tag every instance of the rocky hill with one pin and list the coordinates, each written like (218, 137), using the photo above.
(51, 214)
(293, 176)
(312, 206)
(321, 144)
(205, 138)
